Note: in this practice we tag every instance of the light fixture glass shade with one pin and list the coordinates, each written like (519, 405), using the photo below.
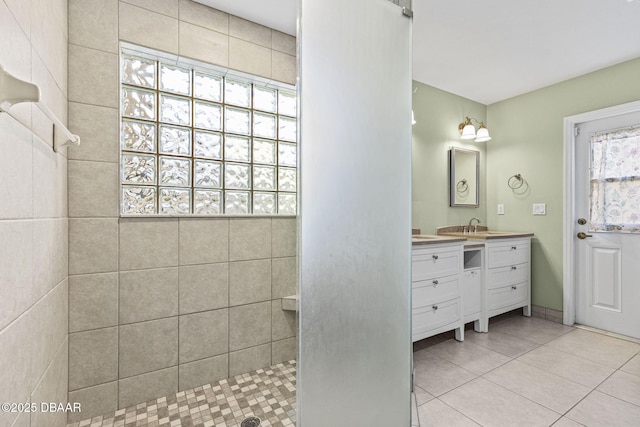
(468, 132)
(413, 118)
(483, 134)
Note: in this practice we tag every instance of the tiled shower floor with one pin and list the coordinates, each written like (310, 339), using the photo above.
(269, 394)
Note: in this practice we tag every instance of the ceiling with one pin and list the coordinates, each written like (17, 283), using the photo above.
(490, 50)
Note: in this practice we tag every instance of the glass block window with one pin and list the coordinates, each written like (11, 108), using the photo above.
(194, 141)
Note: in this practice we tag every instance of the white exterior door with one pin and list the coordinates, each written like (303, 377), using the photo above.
(607, 250)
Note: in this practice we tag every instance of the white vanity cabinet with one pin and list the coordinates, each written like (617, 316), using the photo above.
(508, 275)
(436, 282)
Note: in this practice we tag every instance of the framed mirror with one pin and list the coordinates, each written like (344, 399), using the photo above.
(464, 177)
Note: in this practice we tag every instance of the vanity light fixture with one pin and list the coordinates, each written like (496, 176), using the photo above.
(468, 130)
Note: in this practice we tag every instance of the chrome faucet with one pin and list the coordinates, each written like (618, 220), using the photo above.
(475, 227)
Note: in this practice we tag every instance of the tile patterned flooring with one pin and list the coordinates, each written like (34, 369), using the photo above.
(269, 394)
(528, 372)
(524, 372)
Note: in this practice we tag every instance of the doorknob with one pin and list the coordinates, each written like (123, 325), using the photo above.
(582, 235)
(582, 221)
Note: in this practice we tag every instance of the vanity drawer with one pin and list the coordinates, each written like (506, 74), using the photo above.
(507, 296)
(426, 292)
(512, 253)
(434, 263)
(502, 276)
(435, 316)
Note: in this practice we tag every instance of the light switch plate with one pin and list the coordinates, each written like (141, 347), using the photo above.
(539, 208)
(500, 209)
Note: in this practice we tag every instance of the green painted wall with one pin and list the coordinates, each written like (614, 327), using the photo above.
(527, 133)
(437, 115)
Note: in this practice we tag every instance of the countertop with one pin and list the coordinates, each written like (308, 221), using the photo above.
(473, 244)
(429, 239)
(481, 233)
(488, 235)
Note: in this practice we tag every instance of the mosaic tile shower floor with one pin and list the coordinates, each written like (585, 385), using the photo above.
(269, 394)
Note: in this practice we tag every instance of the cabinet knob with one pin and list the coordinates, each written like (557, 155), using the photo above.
(435, 282)
(435, 307)
(514, 288)
(514, 267)
(513, 248)
(435, 256)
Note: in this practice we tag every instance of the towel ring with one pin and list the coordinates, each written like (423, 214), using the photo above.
(515, 182)
(462, 186)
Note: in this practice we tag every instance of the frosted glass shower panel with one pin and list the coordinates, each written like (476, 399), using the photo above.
(354, 365)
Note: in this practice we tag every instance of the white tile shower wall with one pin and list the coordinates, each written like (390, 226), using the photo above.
(33, 216)
(158, 305)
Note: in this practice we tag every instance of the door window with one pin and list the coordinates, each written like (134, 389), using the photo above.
(615, 180)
